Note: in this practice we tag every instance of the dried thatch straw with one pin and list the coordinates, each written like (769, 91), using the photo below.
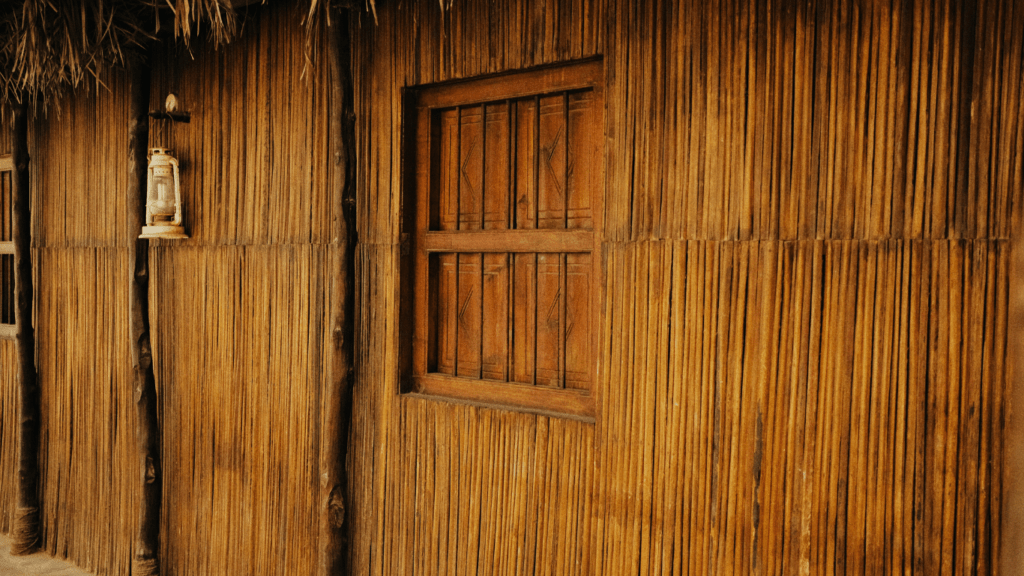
(47, 46)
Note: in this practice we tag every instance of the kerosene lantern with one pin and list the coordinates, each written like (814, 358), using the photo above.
(163, 197)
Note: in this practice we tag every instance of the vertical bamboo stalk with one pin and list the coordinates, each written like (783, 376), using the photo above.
(1012, 553)
(145, 561)
(25, 533)
(338, 396)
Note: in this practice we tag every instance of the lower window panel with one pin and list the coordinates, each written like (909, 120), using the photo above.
(519, 318)
(7, 289)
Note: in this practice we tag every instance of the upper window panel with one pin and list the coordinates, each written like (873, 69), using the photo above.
(520, 164)
(503, 217)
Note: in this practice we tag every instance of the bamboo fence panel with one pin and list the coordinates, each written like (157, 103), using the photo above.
(78, 174)
(240, 310)
(808, 208)
(89, 490)
(5, 133)
(254, 155)
(1013, 504)
(8, 434)
(239, 350)
(89, 494)
(267, 187)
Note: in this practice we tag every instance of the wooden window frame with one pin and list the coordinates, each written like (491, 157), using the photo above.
(7, 331)
(421, 131)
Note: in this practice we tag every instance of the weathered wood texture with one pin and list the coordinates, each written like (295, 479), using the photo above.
(803, 369)
(334, 508)
(25, 534)
(146, 549)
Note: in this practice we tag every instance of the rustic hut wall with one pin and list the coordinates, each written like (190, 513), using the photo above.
(88, 487)
(808, 207)
(240, 311)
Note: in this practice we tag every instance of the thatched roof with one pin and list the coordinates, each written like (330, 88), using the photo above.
(48, 46)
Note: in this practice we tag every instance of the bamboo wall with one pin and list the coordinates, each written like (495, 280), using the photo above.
(238, 313)
(808, 208)
(88, 471)
(239, 310)
(803, 368)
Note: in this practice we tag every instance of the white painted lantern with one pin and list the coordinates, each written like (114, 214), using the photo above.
(163, 197)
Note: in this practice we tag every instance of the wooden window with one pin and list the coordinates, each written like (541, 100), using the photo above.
(6, 249)
(502, 214)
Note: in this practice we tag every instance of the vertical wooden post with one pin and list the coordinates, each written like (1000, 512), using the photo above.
(145, 560)
(1012, 544)
(334, 528)
(25, 533)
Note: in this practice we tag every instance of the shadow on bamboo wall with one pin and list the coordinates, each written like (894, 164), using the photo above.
(808, 208)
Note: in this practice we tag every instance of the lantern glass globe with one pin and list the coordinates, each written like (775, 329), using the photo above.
(161, 200)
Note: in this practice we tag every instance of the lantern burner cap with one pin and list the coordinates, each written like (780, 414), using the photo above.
(165, 151)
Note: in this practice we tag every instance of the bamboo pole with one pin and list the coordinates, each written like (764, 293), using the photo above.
(1013, 519)
(25, 535)
(145, 560)
(338, 398)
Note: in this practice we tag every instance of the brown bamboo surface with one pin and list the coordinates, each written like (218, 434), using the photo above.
(240, 311)
(803, 363)
(88, 485)
(1013, 502)
(254, 156)
(239, 339)
(8, 433)
(241, 398)
(803, 369)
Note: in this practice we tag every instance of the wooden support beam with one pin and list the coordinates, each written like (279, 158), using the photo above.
(145, 560)
(1012, 548)
(334, 527)
(25, 533)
